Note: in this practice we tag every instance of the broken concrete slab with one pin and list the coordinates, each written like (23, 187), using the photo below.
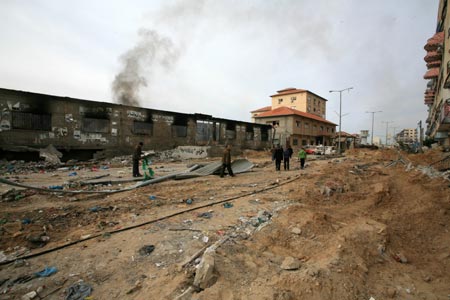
(290, 264)
(204, 276)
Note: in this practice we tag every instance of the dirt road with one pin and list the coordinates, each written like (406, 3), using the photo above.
(347, 228)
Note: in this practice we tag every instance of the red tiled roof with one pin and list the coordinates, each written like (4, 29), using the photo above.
(265, 108)
(431, 73)
(344, 134)
(432, 56)
(286, 111)
(288, 91)
(433, 42)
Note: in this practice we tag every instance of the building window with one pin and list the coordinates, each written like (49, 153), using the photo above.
(295, 142)
(144, 128)
(264, 134)
(306, 125)
(304, 142)
(293, 99)
(30, 121)
(321, 128)
(95, 125)
(275, 123)
(297, 123)
(280, 100)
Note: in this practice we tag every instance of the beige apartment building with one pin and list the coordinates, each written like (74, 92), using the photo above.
(407, 135)
(437, 93)
(297, 117)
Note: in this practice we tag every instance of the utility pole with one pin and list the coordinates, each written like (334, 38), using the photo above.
(373, 117)
(340, 113)
(387, 126)
(420, 136)
(393, 136)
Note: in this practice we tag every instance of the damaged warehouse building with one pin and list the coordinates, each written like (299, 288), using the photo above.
(80, 128)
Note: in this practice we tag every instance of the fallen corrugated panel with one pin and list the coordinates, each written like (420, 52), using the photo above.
(238, 166)
(138, 185)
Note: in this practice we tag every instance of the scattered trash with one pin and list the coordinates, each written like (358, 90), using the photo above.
(146, 250)
(73, 174)
(189, 201)
(56, 187)
(152, 197)
(228, 205)
(205, 239)
(205, 215)
(400, 257)
(78, 291)
(48, 271)
(39, 239)
(26, 221)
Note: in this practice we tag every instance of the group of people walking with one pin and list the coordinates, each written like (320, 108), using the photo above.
(278, 155)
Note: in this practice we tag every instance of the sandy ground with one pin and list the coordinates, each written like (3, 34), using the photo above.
(355, 229)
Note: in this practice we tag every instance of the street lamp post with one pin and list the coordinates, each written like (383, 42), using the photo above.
(387, 127)
(373, 114)
(340, 114)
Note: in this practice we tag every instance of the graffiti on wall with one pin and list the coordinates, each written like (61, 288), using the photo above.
(162, 118)
(135, 115)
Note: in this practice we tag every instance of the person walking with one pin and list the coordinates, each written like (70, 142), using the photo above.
(137, 154)
(287, 154)
(302, 157)
(278, 157)
(226, 161)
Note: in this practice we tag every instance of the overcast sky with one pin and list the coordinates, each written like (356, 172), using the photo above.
(224, 57)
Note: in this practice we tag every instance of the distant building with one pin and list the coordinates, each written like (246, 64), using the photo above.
(407, 136)
(297, 117)
(363, 137)
(377, 141)
(347, 140)
(437, 93)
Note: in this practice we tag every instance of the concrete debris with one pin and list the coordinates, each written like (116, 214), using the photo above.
(204, 275)
(51, 155)
(290, 264)
(186, 295)
(296, 231)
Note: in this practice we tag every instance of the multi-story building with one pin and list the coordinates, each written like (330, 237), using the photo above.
(437, 94)
(297, 117)
(407, 136)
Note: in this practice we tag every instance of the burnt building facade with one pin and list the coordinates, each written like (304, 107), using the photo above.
(31, 121)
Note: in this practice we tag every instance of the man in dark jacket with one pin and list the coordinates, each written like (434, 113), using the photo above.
(278, 157)
(226, 161)
(136, 157)
(287, 154)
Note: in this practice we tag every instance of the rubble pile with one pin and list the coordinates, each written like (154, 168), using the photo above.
(353, 227)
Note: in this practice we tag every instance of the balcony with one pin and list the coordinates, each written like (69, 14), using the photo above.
(431, 73)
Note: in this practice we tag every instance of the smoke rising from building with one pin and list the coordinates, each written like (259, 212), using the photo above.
(152, 52)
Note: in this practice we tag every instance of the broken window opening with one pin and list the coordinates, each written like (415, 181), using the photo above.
(31, 121)
(144, 128)
(264, 134)
(95, 125)
(204, 130)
